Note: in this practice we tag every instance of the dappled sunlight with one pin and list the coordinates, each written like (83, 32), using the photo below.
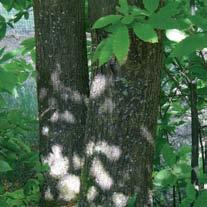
(146, 134)
(45, 130)
(77, 162)
(112, 152)
(119, 199)
(101, 176)
(107, 106)
(66, 116)
(69, 187)
(98, 86)
(58, 163)
(43, 93)
(48, 194)
(92, 193)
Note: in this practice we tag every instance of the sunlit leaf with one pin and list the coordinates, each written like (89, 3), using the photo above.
(145, 32)
(105, 21)
(151, 5)
(190, 44)
(121, 42)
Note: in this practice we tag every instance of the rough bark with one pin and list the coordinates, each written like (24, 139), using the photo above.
(121, 124)
(62, 84)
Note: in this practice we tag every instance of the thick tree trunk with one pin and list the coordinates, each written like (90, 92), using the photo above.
(121, 124)
(62, 81)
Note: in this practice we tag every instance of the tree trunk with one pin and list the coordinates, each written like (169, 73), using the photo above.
(194, 131)
(62, 84)
(121, 125)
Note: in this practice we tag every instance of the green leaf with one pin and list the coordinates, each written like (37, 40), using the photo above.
(190, 44)
(7, 4)
(106, 20)
(202, 91)
(106, 51)
(183, 152)
(3, 203)
(127, 20)
(121, 42)
(190, 192)
(145, 32)
(201, 199)
(151, 5)
(182, 170)
(132, 201)
(169, 155)
(135, 11)
(185, 203)
(165, 178)
(157, 22)
(28, 45)
(197, 71)
(124, 9)
(4, 166)
(8, 56)
(97, 52)
(2, 27)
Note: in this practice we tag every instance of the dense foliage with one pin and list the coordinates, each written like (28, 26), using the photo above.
(183, 97)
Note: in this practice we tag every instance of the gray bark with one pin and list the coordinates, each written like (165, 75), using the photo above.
(62, 82)
(121, 123)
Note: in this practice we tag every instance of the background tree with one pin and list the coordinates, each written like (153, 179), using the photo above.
(62, 85)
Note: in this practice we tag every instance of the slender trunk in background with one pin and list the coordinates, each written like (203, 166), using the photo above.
(62, 84)
(121, 123)
(194, 131)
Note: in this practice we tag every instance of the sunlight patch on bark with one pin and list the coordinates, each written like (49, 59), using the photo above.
(107, 106)
(69, 187)
(77, 162)
(45, 130)
(112, 152)
(48, 195)
(43, 93)
(98, 86)
(146, 134)
(67, 116)
(102, 177)
(92, 193)
(58, 164)
(119, 199)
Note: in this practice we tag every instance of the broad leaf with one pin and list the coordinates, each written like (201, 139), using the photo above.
(190, 45)
(105, 21)
(169, 155)
(121, 42)
(127, 19)
(164, 178)
(151, 5)
(4, 166)
(201, 199)
(202, 91)
(145, 32)
(190, 192)
(106, 51)
(124, 9)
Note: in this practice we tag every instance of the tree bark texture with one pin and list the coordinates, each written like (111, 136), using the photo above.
(121, 124)
(62, 83)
